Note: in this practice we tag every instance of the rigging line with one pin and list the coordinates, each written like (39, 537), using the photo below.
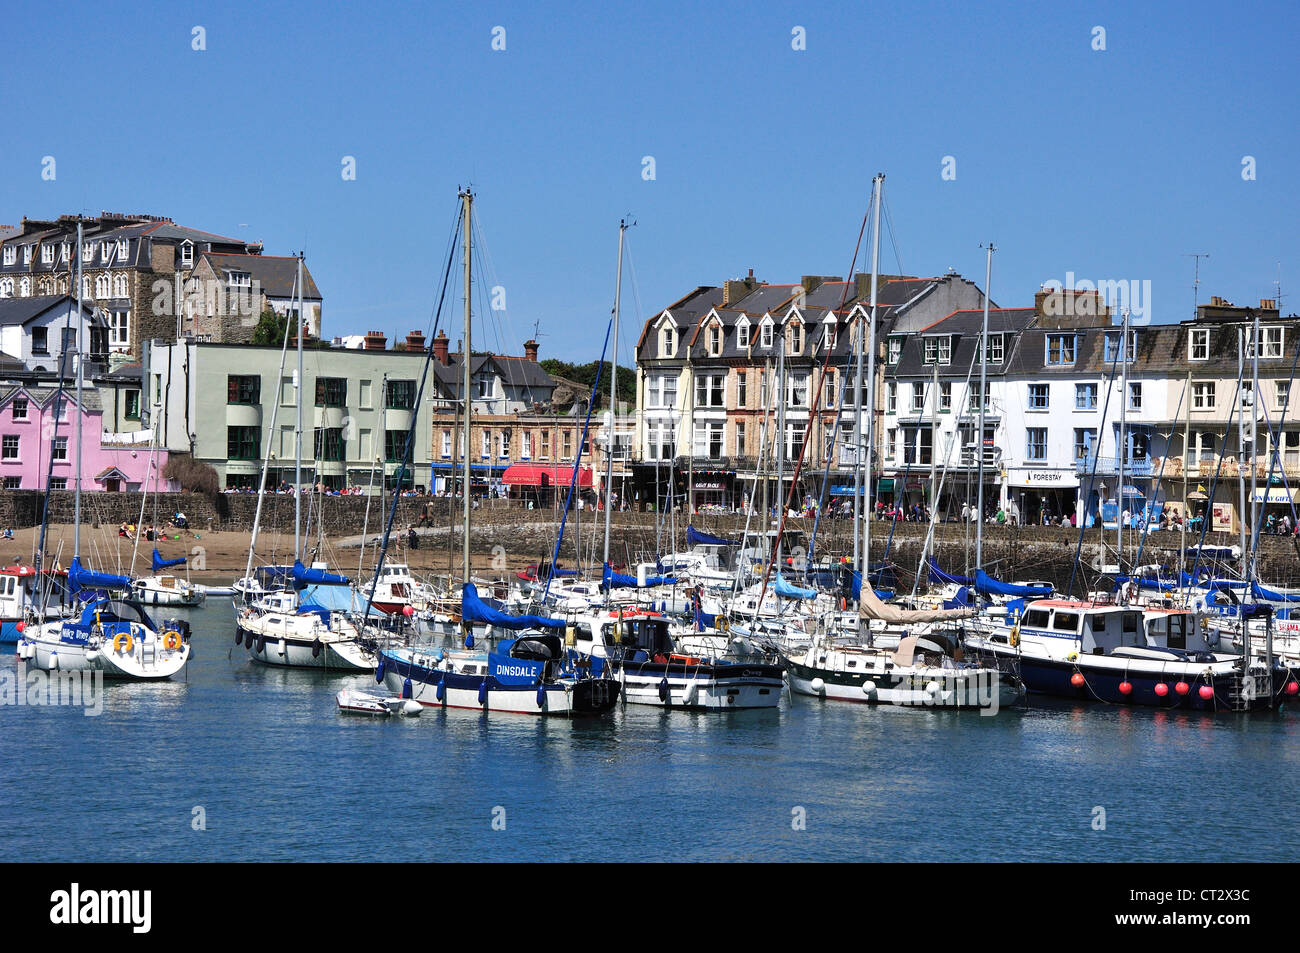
(893, 240)
(1092, 473)
(573, 480)
(1214, 483)
(415, 422)
(844, 296)
(943, 476)
(1173, 429)
(1273, 456)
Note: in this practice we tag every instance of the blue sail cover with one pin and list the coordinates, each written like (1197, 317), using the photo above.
(986, 584)
(616, 580)
(79, 577)
(302, 576)
(855, 588)
(1268, 595)
(159, 564)
(694, 536)
(474, 609)
(1144, 582)
(939, 576)
(787, 591)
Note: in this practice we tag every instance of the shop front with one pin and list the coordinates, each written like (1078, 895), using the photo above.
(545, 485)
(711, 491)
(1042, 496)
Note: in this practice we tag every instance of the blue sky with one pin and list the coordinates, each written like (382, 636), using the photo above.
(1109, 164)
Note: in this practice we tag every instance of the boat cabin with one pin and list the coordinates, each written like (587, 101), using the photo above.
(1097, 629)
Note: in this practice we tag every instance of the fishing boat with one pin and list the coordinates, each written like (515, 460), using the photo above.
(1154, 656)
(639, 651)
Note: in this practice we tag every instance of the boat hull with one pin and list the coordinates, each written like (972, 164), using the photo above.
(323, 652)
(702, 687)
(944, 688)
(1102, 683)
(567, 698)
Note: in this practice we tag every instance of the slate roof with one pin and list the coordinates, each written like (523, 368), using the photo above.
(277, 274)
(18, 311)
(964, 327)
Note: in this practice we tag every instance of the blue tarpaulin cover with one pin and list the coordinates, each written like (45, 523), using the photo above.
(159, 564)
(787, 591)
(1268, 595)
(855, 588)
(474, 609)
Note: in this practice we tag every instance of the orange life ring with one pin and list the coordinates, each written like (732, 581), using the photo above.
(172, 639)
(123, 638)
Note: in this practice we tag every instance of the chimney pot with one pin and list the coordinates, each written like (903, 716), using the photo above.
(440, 348)
(376, 341)
(530, 350)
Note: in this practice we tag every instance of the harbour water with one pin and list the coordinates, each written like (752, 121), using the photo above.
(238, 761)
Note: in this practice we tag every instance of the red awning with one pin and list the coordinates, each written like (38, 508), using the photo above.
(523, 474)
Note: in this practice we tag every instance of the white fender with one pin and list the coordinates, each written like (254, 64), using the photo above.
(869, 688)
(689, 692)
(818, 686)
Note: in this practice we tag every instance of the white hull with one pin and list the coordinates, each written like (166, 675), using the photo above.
(146, 660)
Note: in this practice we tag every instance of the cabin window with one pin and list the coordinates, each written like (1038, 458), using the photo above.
(1130, 622)
(1066, 622)
(1036, 618)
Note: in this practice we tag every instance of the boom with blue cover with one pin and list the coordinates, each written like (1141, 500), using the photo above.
(159, 564)
(79, 577)
(855, 588)
(987, 585)
(616, 580)
(474, 609)
(937, 575)
(694, 536)
(302, 576)
(1268, 595)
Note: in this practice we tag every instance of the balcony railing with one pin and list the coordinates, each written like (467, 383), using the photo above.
(1109, 466)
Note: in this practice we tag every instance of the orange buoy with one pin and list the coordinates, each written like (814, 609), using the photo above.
(1077, 679)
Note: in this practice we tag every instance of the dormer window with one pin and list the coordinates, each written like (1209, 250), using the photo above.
(765, 334)
(1270, 343)
(187, 252)
(794, 337)
(1198, 344)
(47, 254)
(938, 350)
(667, 341)
(122, 248)
(895, 348)
(105, 252)
(742, 333)
(715, 340)
(27, 254)
(65, 251)
(242, 279)
(829, 335)
(87, 254)
(11, 254)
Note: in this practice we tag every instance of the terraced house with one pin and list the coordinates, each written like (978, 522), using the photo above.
(151, 277)
(708, 387)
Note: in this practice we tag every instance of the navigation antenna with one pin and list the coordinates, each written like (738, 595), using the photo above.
(1196, 280)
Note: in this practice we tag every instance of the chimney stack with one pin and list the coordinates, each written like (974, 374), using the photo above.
(440, 349)
(375, 341)
(733, 291)
(415, 341)
(530, 350)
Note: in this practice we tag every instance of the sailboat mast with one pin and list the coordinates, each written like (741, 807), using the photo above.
(1256, 509)
(869, 442)
(983, 406)
(613, 388)
(1241, 445)
(76, 514)
(467, 200)
(297, 454)
(1121, 443)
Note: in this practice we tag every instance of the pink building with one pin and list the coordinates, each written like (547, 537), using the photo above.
(32, 439)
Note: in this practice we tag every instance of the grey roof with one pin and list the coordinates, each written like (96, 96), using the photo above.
(277, 274)
(964, 327)
(18, 311)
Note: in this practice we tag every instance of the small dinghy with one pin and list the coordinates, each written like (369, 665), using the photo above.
(362, 703)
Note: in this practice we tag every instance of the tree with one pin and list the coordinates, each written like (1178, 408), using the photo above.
(270, 328)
